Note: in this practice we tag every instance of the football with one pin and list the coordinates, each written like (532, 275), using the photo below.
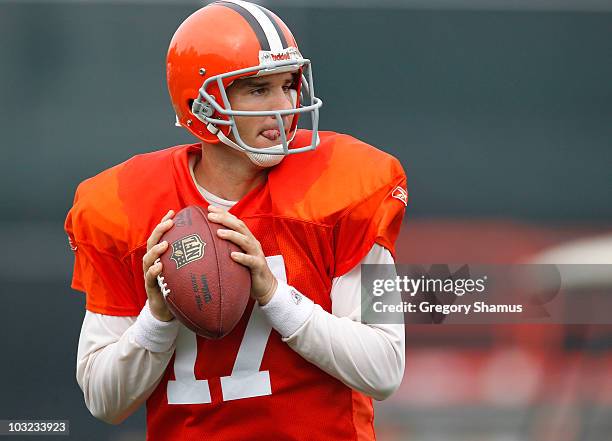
(203, 287)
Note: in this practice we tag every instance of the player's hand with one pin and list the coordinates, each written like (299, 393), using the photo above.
(263, 282)
(152, 267)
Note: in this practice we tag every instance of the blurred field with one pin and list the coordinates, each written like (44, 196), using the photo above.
(502, 382)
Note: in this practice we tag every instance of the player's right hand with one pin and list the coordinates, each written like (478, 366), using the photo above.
(151, 268)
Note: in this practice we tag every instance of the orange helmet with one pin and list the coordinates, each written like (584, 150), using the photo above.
(220, 43)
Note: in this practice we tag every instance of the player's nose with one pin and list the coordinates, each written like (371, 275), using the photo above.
(283, 100)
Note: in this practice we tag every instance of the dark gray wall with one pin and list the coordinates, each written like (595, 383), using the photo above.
(492, 113)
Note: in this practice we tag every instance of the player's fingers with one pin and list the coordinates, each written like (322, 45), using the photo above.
(168, 215)
(151, 275)
(230, 221)
(221, 217)
(153, 254)
(158, 232)
(218, 210)
(246, 243)
(245, 259)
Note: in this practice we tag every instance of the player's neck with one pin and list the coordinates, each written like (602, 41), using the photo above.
(226, 172)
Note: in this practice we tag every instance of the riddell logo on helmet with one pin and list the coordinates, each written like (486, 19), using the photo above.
(279, 57)
(291, 53)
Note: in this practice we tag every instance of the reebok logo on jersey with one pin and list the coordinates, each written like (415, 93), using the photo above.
(400, 194)
(71, 243)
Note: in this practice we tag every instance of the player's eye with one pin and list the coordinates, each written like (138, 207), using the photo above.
(259, 91)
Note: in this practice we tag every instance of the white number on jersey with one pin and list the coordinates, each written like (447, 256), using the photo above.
(246, 380)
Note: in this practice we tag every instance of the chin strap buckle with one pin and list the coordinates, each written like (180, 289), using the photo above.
(212, 128)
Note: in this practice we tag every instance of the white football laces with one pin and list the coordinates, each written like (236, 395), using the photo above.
(162, 285)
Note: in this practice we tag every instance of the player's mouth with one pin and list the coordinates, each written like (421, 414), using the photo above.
(271, 134)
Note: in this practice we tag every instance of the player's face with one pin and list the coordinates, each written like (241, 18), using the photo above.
(270, 92)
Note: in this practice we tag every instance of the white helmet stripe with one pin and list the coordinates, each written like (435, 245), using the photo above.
(266, 24)
(278, 28)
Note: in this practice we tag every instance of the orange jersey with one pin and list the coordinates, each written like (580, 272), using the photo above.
(317, 215)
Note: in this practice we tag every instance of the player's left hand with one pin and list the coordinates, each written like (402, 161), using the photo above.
(263, 282)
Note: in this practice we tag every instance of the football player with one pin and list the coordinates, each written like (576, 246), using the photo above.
(307, 208)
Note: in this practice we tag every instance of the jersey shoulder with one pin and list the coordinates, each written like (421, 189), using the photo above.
(110, 209)
(341, 173)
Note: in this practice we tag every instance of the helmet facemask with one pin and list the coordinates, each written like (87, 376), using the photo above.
(208, 110)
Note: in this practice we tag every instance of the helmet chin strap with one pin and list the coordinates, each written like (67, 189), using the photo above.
(260, 159)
